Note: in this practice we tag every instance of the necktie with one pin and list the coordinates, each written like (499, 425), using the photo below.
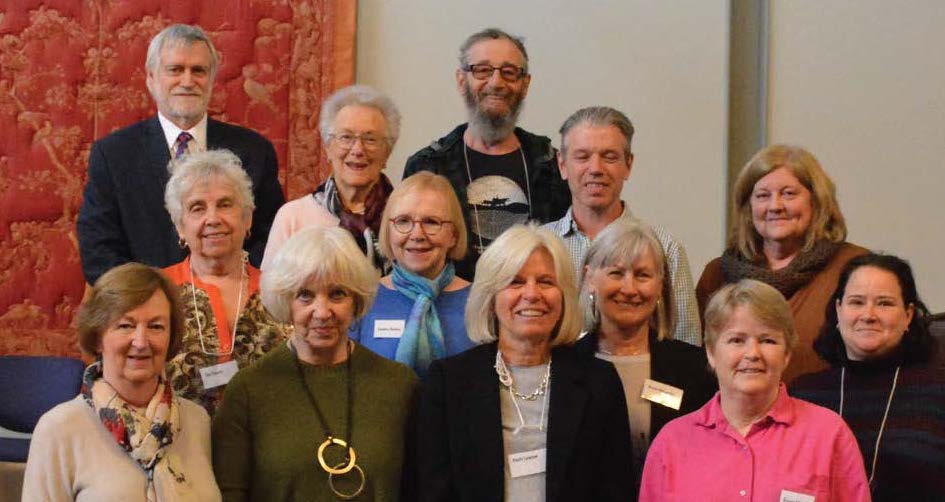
(183, 139)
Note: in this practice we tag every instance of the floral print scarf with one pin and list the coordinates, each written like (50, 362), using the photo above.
(145, 437)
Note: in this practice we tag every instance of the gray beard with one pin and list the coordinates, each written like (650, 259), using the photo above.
(491, 130)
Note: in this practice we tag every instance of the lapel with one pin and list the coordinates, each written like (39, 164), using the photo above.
(214, 135)
(661, 370)
(565, 416)
(483, 414)
(157, 153)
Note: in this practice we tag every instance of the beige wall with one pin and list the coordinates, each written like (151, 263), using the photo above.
(862, 85)
(663, 63)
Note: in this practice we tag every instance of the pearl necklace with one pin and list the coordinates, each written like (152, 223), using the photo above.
(505, 378)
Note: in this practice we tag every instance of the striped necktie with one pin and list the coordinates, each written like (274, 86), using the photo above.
(183, 140)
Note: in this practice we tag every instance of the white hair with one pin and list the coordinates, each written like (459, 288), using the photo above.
(327, 255)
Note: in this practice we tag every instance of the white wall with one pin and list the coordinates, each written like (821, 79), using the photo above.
(862, 85)
(662, 63)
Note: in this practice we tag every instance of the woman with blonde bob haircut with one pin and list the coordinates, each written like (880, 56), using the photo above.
(787, 232)
(492, 415)
(321, 417)
(419, 313)
(734, 445)
(628, 298)
(517, 246)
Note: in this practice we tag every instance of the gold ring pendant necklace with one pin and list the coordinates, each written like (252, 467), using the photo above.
(349, 463)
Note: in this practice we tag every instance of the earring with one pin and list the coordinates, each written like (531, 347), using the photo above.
(182, 243)
(595, 310)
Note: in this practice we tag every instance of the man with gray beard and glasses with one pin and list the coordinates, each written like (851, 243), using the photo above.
(502, 174)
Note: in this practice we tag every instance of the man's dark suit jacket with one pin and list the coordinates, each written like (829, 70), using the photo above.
(460, 454)
(123, 217)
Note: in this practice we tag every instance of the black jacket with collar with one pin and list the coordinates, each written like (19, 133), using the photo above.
(460, 453)
(671, 362)
(550, 195)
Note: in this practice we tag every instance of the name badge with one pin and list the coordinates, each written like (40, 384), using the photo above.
(218, 374)
(789, 496)
(527, 463)
(390, 328)
(661, 393)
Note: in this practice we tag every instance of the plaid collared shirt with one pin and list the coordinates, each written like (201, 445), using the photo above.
(688, 326)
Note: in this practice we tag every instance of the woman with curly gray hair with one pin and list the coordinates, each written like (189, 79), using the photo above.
(210, 200)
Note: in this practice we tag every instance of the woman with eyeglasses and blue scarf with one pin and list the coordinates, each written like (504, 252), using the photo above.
(418, 315)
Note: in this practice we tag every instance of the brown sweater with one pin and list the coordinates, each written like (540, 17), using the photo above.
(808, 305)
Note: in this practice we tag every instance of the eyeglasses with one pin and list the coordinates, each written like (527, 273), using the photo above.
(430, 225)
(509, 72)
(347, 139)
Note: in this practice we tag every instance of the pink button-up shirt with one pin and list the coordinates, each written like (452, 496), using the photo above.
(799, 450)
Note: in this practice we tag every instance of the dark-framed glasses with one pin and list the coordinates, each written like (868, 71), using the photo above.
(368, 141)
(509, 72)
(430, 225)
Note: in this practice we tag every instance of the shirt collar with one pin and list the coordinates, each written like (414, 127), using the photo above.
(782, 411)
(171, 132)
(566, 225)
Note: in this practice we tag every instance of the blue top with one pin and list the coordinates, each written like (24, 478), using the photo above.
(391, 305)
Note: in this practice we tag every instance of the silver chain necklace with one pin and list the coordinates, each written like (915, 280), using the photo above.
(528, 189)
(882, 427)
(239, 313)
(505, 378)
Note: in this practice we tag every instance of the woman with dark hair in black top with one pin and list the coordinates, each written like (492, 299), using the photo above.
(877, 341)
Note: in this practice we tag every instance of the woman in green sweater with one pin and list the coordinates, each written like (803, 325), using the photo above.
(322, 417)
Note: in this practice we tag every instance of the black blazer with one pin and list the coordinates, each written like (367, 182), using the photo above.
(675, 363)
(460, 453)
(123, 218)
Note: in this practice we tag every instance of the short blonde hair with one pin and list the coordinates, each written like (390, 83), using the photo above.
(827, 222)
(327, 255)
(201, 167)
(119, 291)
(763, 301)
(499, 264)
(425, 180)
(624, 242)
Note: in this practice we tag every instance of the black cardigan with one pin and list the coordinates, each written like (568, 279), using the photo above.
(675, 363)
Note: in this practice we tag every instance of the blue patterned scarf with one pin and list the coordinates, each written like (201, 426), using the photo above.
(422, 340)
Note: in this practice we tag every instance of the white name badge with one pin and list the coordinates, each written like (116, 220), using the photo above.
(527, 463)
(218, 374)
(389, 328)
(789, 496)
(662, 393)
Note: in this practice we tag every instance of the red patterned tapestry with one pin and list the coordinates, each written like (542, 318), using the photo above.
(72, 71)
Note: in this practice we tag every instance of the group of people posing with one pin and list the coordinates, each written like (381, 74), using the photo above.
(498, 326)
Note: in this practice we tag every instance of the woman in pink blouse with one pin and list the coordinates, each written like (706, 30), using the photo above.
(753, 442)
